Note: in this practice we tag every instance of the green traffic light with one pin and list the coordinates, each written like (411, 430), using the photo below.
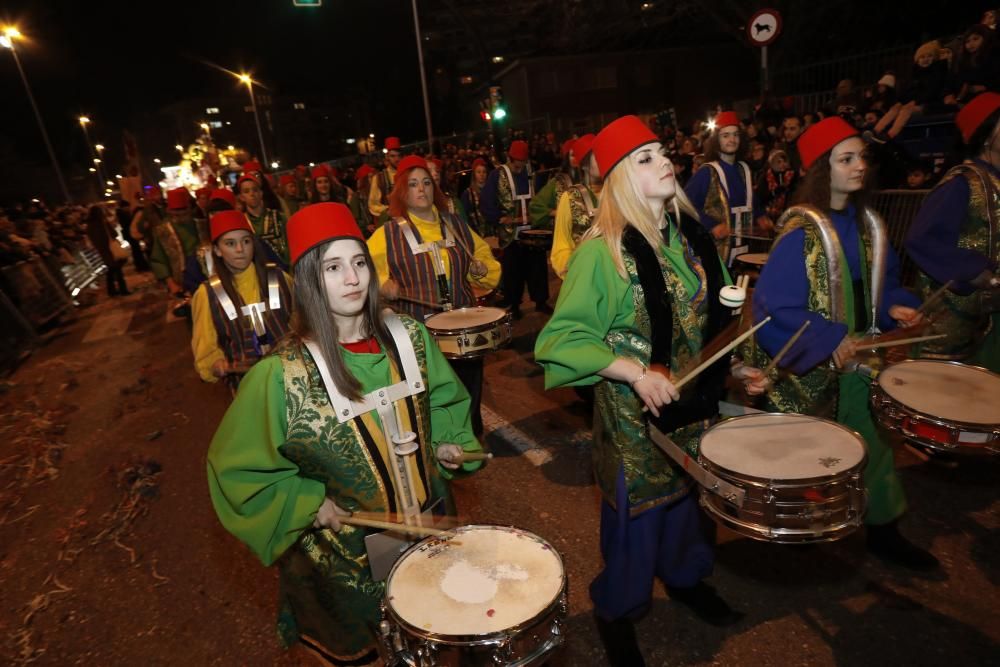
(500, 113)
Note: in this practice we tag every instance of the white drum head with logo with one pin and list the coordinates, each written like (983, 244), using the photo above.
(464, 318)
(782, 446)
(945, 389)
(494, 578)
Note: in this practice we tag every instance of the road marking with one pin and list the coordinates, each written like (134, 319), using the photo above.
(111, 323)
(515, 437)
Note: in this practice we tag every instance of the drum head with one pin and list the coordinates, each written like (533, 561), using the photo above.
(945, 389)
(495, 578)
(755, 258)
(782, 446)
(464, 318)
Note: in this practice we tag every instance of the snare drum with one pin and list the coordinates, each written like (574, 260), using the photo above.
(750, 263)
(464, 333)
(487, 595)
(802, 477)
(944, 405)
(536, 238)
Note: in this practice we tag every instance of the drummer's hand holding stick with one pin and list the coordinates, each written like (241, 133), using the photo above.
(754, 379)
(329, 514)
(906, 317)
(845, 351)
(452, 456)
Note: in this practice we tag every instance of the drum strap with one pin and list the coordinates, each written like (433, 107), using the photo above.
(253, 311)
(416, 247)
(711, 482)
(586, 196)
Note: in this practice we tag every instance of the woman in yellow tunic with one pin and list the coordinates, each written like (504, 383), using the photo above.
(244, 306)
(308, 441)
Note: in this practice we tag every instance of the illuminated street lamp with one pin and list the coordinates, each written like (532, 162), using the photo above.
(10, 35)
(94, 150)
(248, 81)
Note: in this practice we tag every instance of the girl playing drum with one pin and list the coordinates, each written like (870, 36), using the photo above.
(308, 440)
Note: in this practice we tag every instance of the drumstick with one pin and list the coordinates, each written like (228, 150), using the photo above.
(718, 355)
(901, 341)
(938, 293)
(787, 346)
(471, 456)
(391, 525)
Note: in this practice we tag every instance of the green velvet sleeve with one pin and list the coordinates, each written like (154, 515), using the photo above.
(450, 407)
(593, 300)
(257, 493)
(542, 205)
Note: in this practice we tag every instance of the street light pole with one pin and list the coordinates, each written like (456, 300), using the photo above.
(423, 79)
(10, 34)
(95, 158)
(245, 78)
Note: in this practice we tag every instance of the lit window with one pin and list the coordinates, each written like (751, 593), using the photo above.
(215, 124)
(212, 110)
(465, 80)
(497, 60)
(299, 105)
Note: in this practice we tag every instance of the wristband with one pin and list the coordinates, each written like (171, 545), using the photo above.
(642, 376)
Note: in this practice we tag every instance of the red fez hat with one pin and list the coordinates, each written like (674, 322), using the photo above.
(823, 136)
(301, 169)
(228, 221)
(204, 190)
(725, 119)
(178, 198)
(252, 165)
(247, 177)
(392, 143)
(619, 138)
(437, 163)
(320, 171)
(582, 146)
(480, 161)
(318, 223)
(518, 150)
(363, 171)
(410, 162)
(225, 195)
(286, 179)
(975, 114)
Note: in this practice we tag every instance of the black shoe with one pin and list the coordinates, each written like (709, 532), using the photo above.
(543, 308)
(619, 641)
(706, 604)
(888, 543)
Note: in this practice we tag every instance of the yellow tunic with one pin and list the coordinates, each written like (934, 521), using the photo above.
(204, 337)
(430, 231)
(375, 205)
(563, 244)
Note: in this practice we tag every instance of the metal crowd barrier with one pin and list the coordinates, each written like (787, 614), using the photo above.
(898, 208)
(82, 273)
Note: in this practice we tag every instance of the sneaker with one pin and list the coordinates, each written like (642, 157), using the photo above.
(620, 643)
(888, 543)
(706, 604)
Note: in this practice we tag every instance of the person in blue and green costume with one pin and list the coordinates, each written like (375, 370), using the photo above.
(798, 284)
(284, 467)
(642, 288)
(956, 237)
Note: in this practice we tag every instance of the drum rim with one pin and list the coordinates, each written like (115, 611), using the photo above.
(504, 318)
(783, 535)
(487, 638)
(765, 482)
(940, 420)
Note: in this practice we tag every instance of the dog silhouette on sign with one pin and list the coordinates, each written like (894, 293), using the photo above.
(761, 27)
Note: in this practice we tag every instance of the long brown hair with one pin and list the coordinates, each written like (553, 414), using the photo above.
(226, 277)
(814, 188)
(311, 317)
(397, 198)
(711, 146)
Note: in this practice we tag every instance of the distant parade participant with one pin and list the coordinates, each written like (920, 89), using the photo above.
(383, 181)
(268, 223)
(798, 284)
(577, 206)
(200, 212)
(404, 250)
(643, 289)
(286, 465)
(242, 309)
(359, 202)
(470, 199)
(150, 212)
(288, 194)
(504, 202)
(722, 188)
(542, 209)
(255, 169)
(955, 237)
(175, 239)
(303, 184)
(436, 167)
(199, 267)
(323, 186)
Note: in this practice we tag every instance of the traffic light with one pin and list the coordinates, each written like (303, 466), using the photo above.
(497, 106)
(485, 115)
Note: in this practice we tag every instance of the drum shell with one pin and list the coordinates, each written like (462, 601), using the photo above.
(473, 341)
(907, 421)
(817, 509)
(526, 644)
